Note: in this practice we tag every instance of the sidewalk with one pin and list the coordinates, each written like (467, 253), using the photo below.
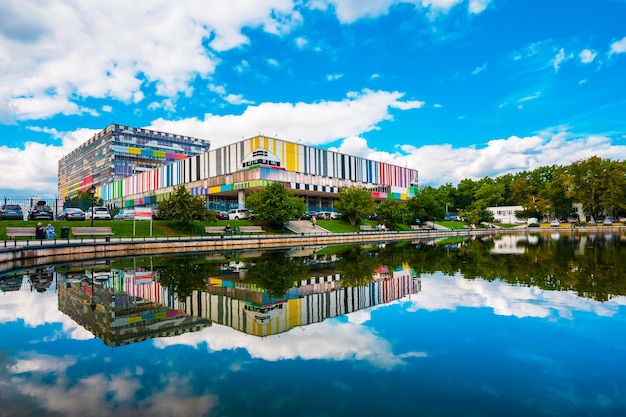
(304, 227)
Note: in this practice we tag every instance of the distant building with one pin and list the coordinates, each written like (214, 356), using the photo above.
(120, 151)
(506, 214)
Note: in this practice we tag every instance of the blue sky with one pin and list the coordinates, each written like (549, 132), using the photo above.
(454, 88)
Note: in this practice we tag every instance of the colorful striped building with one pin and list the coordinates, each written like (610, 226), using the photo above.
(117, 152)
(227, 174)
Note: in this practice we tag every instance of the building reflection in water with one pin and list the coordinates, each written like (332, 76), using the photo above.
(127, 305)
(131, 305)
(119, 317)
(250, 310)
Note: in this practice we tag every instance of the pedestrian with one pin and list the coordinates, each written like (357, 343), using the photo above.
(228, 230)
(50, 234)
(40, 232)
(314, 220)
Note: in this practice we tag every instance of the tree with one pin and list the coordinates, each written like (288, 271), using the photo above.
(275, 204)
(613, 198)
(355, 203)
(586, 182)
(356, 268)
(183, 208)
(477, 213)
(425, 206)
(392, 213)
(276, 273)
(83, 200)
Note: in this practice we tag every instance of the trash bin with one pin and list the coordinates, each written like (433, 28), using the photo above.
(65, 233)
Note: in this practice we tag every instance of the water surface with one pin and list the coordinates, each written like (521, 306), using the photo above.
(517, 326)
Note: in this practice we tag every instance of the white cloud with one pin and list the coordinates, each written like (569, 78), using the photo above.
(505, 299)
(349, 11)
(313, 123)
(18, 164)
(478, 6)
(479, 69)
(441, 164)
(333, 77)
(138, 44)
(533, 96)
(559, 59)
(587, 56)
(102, 395)
(236, 99)
(301, 42)
(328, 340)
(618, 47)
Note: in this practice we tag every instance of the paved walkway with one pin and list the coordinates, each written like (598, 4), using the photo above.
(305, 227)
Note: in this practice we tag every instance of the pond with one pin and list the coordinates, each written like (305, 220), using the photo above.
(519, 325)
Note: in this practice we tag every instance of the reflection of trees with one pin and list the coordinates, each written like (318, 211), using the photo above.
(593, 271)
(276, 273)
(185, 277)
(357, 267)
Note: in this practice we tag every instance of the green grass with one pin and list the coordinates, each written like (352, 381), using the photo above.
(124, 228)
(451, 224)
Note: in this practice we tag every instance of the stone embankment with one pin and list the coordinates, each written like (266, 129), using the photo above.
(27, 253)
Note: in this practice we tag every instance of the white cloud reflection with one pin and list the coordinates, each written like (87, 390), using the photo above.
(443, 292)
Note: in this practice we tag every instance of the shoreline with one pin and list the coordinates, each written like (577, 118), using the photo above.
(16, 254)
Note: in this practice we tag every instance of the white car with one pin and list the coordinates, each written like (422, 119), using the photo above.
(99, 213)
(238, 214)
(555, 223)
(125, 214)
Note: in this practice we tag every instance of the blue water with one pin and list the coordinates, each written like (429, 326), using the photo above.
(456, 347)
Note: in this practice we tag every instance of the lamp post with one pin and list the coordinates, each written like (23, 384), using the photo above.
(92, 191)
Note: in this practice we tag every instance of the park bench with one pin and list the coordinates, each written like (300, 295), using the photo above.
(215, 229)
(20, 231)
(366, 228)
(251, 229)
(91, 231)
(415, 227)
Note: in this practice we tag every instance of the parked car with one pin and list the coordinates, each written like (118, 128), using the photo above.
(305, 216)
(71, 213)
(125, 214)
(41, 211)
(222, 215)
(607, 222)
(238, 214)
(532, 222)
(11, 212)
(327, 215)
(555, 223)
(99, 213)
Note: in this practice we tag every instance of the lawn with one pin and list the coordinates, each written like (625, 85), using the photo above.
(125, 228)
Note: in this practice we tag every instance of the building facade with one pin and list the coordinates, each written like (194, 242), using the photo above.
(506, 214)
(229, 173)
(120, 151)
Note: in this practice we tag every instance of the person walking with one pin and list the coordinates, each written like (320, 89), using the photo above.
(314, 221)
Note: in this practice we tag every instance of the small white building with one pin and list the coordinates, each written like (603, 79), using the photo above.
(506, 214)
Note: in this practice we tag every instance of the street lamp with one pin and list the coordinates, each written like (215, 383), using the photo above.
(92, 191)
